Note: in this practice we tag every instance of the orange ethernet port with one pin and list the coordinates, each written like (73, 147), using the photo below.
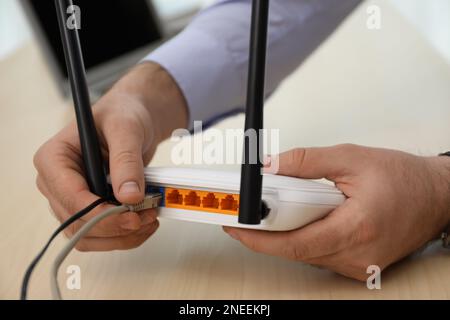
(174, 197)
(210, 201)
(192, 199)
(229, 203)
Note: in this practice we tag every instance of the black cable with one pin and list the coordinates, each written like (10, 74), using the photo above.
(68, 222)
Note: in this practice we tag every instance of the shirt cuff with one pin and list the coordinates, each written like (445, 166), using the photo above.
(205, 72)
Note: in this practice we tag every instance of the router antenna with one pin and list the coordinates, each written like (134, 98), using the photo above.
(90, 147)
(251, 209)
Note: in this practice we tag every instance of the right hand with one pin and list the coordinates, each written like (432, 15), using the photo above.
(131, 119)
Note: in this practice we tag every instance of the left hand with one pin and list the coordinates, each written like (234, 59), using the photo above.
(397, 202)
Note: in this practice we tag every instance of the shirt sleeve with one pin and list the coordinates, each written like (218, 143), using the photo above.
(209, 59)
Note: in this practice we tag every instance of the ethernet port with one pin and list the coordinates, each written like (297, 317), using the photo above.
(210, 201)
(174, 197)
(229, 203)
(192, 199)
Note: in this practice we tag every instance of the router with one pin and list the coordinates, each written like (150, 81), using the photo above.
(212, 197)
(249, 200)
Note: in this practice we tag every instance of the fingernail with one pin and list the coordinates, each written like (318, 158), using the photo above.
(129, 187)
(267, 160)
(270, 164)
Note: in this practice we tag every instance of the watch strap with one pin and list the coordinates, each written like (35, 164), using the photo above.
(445, 236)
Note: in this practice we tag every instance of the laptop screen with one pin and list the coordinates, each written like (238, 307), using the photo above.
(109, 28)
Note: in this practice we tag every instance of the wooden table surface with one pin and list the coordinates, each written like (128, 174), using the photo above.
(381, 88)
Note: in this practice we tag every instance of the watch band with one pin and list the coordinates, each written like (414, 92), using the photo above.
(446, 239)
(445, 236)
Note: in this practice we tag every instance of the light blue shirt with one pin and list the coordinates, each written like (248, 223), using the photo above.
(209, 59)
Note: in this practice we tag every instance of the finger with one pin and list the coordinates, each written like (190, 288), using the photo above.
(317, 163)
(324, 237)
(61, 181)
(60, 173)
(113, 226)
(41, 186)
(121, 226)
(339, 263)
(68, 193)
(60, 176)
(118, 243)
(125, 141)
(117, 225)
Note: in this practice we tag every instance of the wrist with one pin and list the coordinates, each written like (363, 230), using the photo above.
(441, 168)
(159, 93)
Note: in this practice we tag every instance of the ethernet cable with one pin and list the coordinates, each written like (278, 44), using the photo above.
(56, 294)
(68, 222)
(151, 201)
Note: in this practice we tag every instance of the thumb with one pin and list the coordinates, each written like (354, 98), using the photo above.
(126, 163)
(316, 163)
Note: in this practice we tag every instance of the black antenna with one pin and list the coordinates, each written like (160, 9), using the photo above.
(90, 147)
(251, 208)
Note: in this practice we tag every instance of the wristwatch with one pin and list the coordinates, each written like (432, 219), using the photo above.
(445, 236)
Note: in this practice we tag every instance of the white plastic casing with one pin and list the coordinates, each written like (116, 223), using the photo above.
(293, 202)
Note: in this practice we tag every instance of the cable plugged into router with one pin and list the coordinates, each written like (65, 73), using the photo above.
(151, 201)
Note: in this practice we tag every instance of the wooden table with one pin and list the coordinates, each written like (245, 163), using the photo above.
(381, 88)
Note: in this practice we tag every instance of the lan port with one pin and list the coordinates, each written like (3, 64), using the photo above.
(229, 203)
(192, 199)
(210, 201)
(174, 197)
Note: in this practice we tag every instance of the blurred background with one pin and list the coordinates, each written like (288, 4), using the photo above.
(15, 29)
(431, 17)
(109, 48)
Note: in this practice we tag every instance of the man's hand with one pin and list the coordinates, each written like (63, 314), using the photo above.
(132, 118)
(396, 203)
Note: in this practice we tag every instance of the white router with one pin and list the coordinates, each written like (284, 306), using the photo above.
(209, 196)
(249, 199)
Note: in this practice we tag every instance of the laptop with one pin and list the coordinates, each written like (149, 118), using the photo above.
(114, 34)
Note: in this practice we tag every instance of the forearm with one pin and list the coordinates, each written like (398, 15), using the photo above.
(209, 59)
(201, 74)
(159, 93)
